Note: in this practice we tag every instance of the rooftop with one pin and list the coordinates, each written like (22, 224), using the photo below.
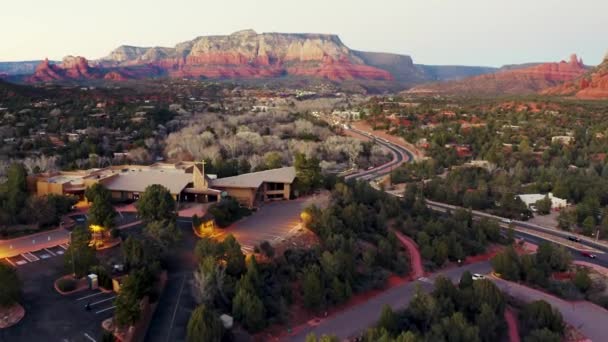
(255, 179)
(137, 180)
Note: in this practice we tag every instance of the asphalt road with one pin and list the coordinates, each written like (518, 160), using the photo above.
(357, 319)
(590, 319)
(403, 155)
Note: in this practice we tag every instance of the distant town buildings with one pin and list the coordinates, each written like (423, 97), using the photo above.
(349, 115)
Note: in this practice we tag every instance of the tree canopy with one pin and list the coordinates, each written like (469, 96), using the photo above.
(156, 204)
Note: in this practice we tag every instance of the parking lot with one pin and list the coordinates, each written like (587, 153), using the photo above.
(36, 256)
(273, 222)
(51, 316)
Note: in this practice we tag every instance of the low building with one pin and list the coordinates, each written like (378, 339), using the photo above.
(531, 199)
(186, 181)
(562, 139)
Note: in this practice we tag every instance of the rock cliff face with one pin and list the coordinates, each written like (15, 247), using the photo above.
(591, 85)
(525, 80)
(247, 54)
(71, 68)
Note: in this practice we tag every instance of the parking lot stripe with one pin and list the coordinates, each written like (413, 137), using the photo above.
(91, 295)
(10, 262)
(50, 252)
(64, 246)
(179, 297)
(21, 262)
(30, 257)
(89, 337)
(106, 309)
(103, 300)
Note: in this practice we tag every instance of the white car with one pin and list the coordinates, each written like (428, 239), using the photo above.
(477, 276)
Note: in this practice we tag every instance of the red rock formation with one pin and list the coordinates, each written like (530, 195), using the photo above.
(72, 68)
(517, 81)
(246, 54)
(592, 85)
(46, 72)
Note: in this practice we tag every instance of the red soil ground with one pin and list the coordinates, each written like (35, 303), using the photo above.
(511, 318)
(415, 258)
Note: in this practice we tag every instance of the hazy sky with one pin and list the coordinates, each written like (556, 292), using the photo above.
(468, 32)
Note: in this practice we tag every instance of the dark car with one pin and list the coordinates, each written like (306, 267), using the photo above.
(574, 238)
(588, 255)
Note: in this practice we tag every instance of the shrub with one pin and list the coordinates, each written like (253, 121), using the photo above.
(103, 277)
(115, 233)
(66, 284)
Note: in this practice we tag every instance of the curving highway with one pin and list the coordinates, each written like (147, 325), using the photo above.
(588, 318)
(402, 155)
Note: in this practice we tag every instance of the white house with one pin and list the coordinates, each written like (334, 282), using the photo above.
(531, 199)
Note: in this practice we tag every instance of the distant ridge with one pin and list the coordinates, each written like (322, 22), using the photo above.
(247, 54)
(511, 80)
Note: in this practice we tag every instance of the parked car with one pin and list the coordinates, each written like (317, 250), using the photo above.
(574, 238)
(477, 276)
(588, 255)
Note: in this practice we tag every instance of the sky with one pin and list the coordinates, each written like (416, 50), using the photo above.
(464, 32)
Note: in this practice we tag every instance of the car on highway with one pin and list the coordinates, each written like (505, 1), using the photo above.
(574, 238)
(477, 276)
(588, 255)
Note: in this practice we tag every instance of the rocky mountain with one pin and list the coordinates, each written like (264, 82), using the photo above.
(71, 68)
(249, 55)
(591, 85)
(79, 69)
(511, 80)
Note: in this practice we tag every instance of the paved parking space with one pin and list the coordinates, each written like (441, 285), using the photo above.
(51, 316)
(273, 222)
(100, 303)
(36, 256)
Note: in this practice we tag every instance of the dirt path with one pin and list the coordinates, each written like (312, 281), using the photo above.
(511, 319)
(417, 270)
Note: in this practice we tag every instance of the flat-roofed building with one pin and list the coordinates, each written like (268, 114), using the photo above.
(262, 186)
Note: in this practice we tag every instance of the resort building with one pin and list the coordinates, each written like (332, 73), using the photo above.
(186, 181)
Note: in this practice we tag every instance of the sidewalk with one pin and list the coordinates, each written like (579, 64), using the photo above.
(34, 242)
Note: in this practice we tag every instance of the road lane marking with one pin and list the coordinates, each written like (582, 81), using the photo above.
(106, 309)
(91, 295)
(103, 300)
(64, 246)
